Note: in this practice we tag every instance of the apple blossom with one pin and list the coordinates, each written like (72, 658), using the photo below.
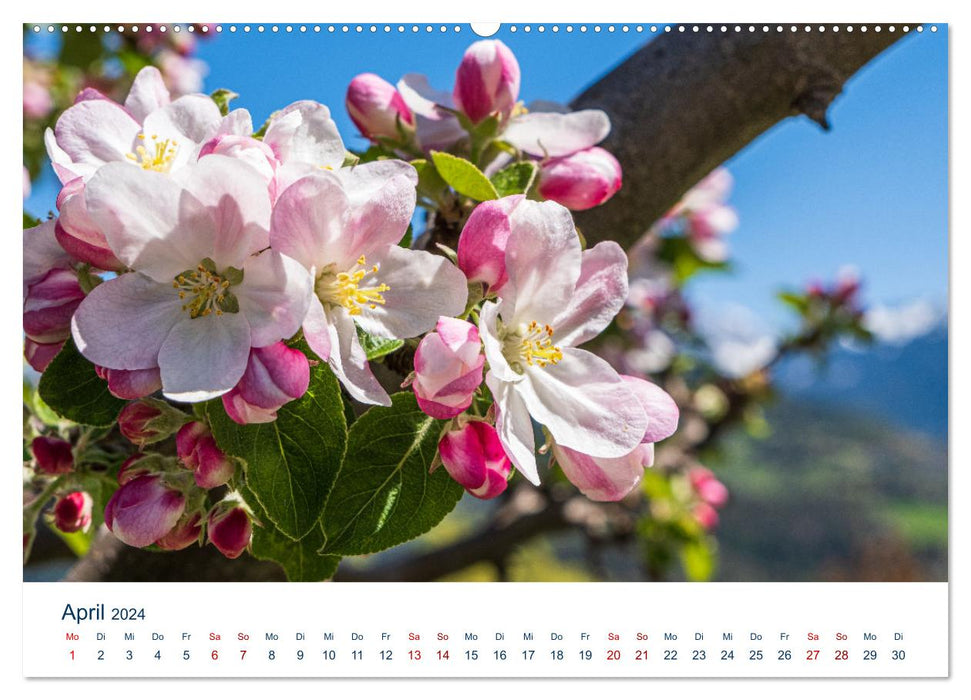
(37, 100)
(436, 126)
(185, 533)
(144, 510)
(39, 355)
(203, 290)
(230, 529)
(51, 302)
(301, 139)
(52, 455)
(344, 227)
(197, 450)
(487, 80)
(136, 465)
(304, 139)
(708, 487)
(474, 457)
(612, 478)
(377, 108)
(77, 234)
(131, 384)
(705, 515)
(448, 368)
(42, 253)
(703, 217)
(556, 298)
(72, 512)
(274, 376)
(482, 245)
(582, 180)
(143, 422)
(150, 131)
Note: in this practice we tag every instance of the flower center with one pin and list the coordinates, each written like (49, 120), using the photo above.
(159, 157)
(536, 345)
(346, 288)
(206, 291)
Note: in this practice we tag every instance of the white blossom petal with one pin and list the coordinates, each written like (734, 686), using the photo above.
(124, 321)
(422, 288)
(204, 357)
(274, 297)
(585, 404)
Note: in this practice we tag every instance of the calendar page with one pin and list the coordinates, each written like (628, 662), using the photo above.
(440, 350)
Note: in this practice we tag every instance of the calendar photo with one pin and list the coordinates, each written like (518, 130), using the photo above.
(379, 303)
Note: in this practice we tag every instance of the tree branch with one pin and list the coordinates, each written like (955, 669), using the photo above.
(686, 102)
(491, 544)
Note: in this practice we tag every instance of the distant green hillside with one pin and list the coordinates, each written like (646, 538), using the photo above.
(833, 495)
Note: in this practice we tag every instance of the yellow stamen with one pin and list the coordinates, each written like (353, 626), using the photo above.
(204, 292)
(536, 346)
(159, 158)
(346, 288)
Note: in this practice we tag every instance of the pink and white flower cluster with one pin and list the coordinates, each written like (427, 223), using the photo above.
(414, 117)
(703, 217)
(220, 247)
(545, 296)
(189, 256)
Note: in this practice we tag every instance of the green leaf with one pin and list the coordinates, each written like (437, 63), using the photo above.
(300, 559)
(698, 560)
(30, 221)
(515, 179)
(464, 177)
(408, 238)
(222, 97)
(797, 302)
(430, 183)
(384, 494)
(377, 347)
(291, 463)
(677, 251)
(70, 388)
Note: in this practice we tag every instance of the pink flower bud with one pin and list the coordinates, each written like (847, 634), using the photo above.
(49, 306)
(709, 489)
(73, 512)
(135, 466)
(197, 449)
(185, 533)
(52, 455)
(78, 234)
(131, 383)
(474, 457)
(448, 368)
(147, 420)
(247, 149)
(582, 180)
(230, 530)
(706, 516)
(274, 376)
(482, 244)
(39, 355)
(487, 80)
(377, 108)
(144, 510)
(37, 100)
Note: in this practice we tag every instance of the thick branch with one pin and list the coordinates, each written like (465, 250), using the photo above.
(687, 102)
(491, 544)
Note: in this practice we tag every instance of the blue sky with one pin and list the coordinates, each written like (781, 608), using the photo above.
(872, 192)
